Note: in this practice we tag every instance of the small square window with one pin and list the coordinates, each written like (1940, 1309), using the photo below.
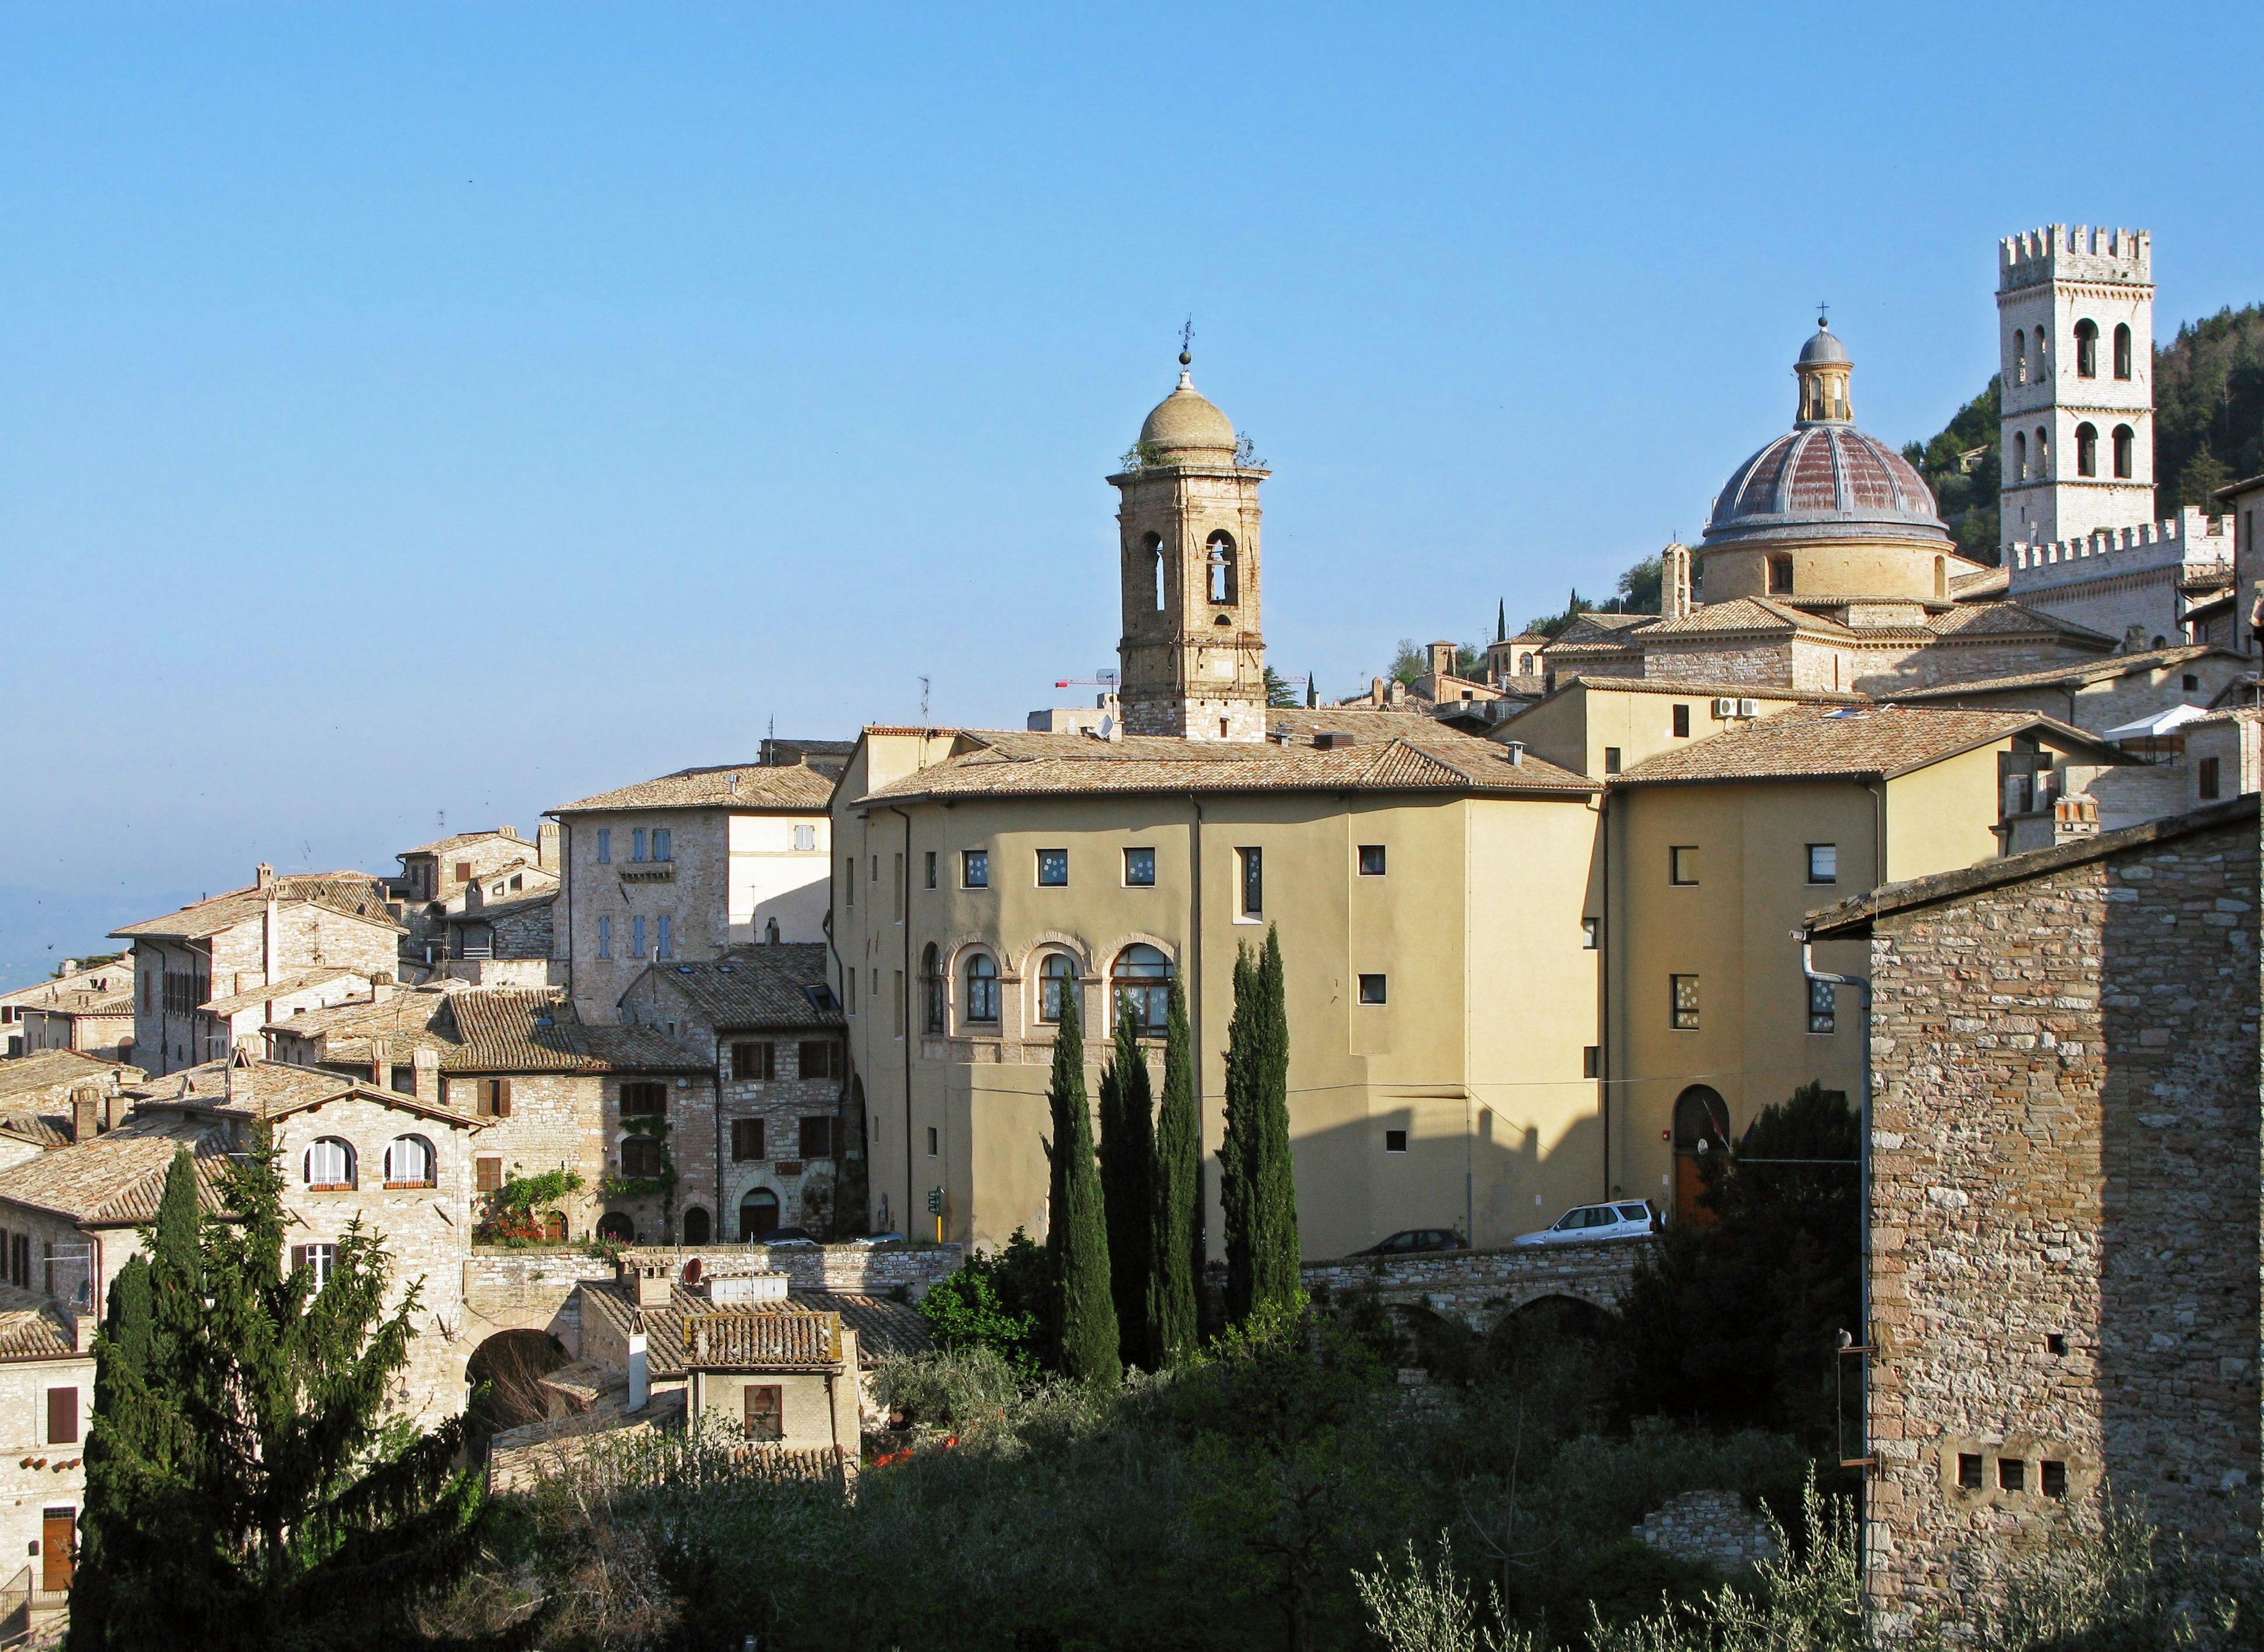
(1969, 1471)
(1682, 865)
(1611, 759)
(1371, 860)
(1591, 933)
(766, 1410)
(974, 868)
(2055, 1342)
(2012, 1474)
(2051, 1479)
(1394, 1142)
(1371, 989)
(1053, 868)
(1591, 1062)
(1823, 1007)
(805, 838)
(931, 868)
(1823, 862)
(2191, 684)
(1683, 1001)
(1682, 723)
(1139, 868)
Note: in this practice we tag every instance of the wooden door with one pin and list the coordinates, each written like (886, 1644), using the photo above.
(1688, 1185)
(58, 1536)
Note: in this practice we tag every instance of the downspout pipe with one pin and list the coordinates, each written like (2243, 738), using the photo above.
(904, 906)
(1863, 1159)
(1194, 1012)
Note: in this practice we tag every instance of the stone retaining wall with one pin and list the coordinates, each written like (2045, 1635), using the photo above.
(1710, 1528)
(1479, 1286)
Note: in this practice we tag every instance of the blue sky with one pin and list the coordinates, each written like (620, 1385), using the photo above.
(419, 410)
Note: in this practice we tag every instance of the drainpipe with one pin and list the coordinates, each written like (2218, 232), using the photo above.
(1194, 972)
(1863, 1159)
(904, 900)
(1605, 939)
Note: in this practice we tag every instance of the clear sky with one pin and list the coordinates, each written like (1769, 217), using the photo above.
(419, 410)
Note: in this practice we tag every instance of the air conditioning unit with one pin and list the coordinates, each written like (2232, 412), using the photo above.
(1749, 708)
(1725, 708)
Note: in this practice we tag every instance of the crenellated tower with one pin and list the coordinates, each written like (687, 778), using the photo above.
(2075, 323)
(1193, 656)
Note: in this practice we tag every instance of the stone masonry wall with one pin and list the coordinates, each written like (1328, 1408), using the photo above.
(1479, 1286)
(2066, 1277)
(557, 1121)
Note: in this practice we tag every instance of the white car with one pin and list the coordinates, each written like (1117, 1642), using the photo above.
(1631, 1220)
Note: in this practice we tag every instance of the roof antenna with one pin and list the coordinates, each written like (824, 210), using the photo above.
(923, 702)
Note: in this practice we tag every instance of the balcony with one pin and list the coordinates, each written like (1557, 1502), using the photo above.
(649, 871)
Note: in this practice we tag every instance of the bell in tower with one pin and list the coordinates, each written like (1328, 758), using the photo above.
(1192, 656)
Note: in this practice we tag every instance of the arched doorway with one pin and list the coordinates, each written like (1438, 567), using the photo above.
(759, 1213)
(506, 1374)
(1701, 1126)
(695, 1226)
(617, 1226)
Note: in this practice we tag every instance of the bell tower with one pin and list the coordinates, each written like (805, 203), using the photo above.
(1193, 656)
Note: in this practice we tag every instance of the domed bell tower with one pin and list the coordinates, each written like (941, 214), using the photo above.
(1193, 657)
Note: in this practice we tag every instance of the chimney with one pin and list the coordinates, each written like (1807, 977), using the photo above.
(1375, 690)
(1442, 661)
(1517, 754)
(86, 1113)
(509, 831)
(651, 1287)
(264, 875)
(546, 851)
(381, 988)
(425, 1064)
(380, 1063)
(114, 1110)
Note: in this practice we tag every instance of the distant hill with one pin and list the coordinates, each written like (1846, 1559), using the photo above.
(2209, 428)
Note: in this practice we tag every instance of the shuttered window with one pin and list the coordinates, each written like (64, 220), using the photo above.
(62, 1416)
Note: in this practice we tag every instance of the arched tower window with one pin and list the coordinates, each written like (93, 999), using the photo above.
(931, 994)
(982, 1001)
(2086, 450)
(1142, 984)
(1218, 567)
(2019, 356)
(1941, 578)
(2125, 440)
(2121, 350)
(2086, 350)
(2043, 453)
(1151, 553)
(2020, 455)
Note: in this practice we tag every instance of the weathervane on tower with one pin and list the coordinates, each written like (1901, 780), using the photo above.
(1187, 343)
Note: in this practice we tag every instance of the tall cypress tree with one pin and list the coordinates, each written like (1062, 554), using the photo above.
(1256, 1184)
(1128, 1174)
(1084, 1313)
(1176, 1244)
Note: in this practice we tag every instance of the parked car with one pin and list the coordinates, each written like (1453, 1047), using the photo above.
(891, 1237)
(1414, 1239)
(1630, 1219)
(789, 1236)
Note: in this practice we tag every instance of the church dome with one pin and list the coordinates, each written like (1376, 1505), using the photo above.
(1186, 421)
(1823, 345)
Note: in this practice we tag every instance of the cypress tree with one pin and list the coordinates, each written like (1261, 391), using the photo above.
(1127, 1173)
(1256, 1184)
(1085, 1314)
(1176, 1244)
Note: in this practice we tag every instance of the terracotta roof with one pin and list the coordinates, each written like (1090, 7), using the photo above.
(1975, 619)
(731, 1337)
(443, 845)
(354, 893)
(41, 1130)
(281, 987)
(23, 1074)
(535, 1030)
(502, 909)
(1692, 688)
(1852, 916)
(883, 1327)
(1585, 624)
(92, 1003)
(757, 787)
(407, 1017)
(1987, 581)
(32, 1328)
(1748, 614)
(1393, 751)
(240, 1086)
(116, 1180)
(1810, 741)
(755, 987)
(2074, 674)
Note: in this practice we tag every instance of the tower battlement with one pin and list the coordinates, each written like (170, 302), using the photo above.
(2191, 536)
(2077, 252)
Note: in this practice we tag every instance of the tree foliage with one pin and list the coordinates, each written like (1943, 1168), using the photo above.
(997, 1302)
(1128, 1177)
(245, 1487)
(1077, 1235)
(1257, 1180)
(2209, 408)
(1177, 1244)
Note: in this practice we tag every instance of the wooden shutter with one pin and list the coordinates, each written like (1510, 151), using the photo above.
(502, 1097)
(488, 1174)
(746, 1139)
(818, 1137)
(62, 1416)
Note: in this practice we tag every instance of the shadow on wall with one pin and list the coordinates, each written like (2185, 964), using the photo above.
(2179, 1170)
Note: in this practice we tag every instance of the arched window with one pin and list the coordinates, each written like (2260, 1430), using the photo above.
(1056, 977)
(2086, 450)
(2121, 350)
(641, 1157)
(932, 992)
(2086, 350)
(331, 1165)
(2019, 357)
(1218, 566)
(2020, 455)
(2125, 440)
(695, 1226)
(1141, 986)
(2043, 453)
(616, 1226)
(1780, 576)
(1702, 1127)
(1525, 664)
(1151, 551)
(409, 1163)
(759, 1213)
(982, 1001)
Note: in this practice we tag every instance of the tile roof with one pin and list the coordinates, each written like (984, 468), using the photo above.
(883, 1327)
(2073, 674)
(2009, 619)
(503, 908)
(21, 1074)
(1394, 751)
(32, 1328)
(239, 1086)
(116, 1180)
(1698, 688)
(1748, 614)
(535, 1030)
(442, 846)
(41, 1130)
(1987, 581)
(281, 987)
(76, 1003)
(748, 786)
(731, 1337)
(753, 987)
(354, 893)
(1583, 624)
(1812, 742)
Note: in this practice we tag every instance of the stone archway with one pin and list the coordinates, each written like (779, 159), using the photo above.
(503, 1376)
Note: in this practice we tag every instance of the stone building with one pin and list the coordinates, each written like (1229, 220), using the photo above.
(2063, 1265)
(94, 1020)
(436, 878)
(505, 939)
(109, 976)
(47, 1397)
(40, 1097)
(686, 867)
(221, 948)
(789, 1143)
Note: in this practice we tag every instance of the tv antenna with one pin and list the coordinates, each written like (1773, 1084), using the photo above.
(923, 702)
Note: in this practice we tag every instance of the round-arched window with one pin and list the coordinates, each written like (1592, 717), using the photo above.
(1056, 977)
(1218, 567)
(982, 1003)
(2125, 450)
(1141, 984)
(2020, 456)
(695, 1226)
(2086, 350)
(409, 1163)
(1701, 1120)
(759, 1213)
(617, 1226)
(1151, 555)
(329, 1165)
(2019, 357)
(931, 993)
(2086, 450)
(2121, 350)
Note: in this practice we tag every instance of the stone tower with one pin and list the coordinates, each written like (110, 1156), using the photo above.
(1193, 657)
(2075, 325)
